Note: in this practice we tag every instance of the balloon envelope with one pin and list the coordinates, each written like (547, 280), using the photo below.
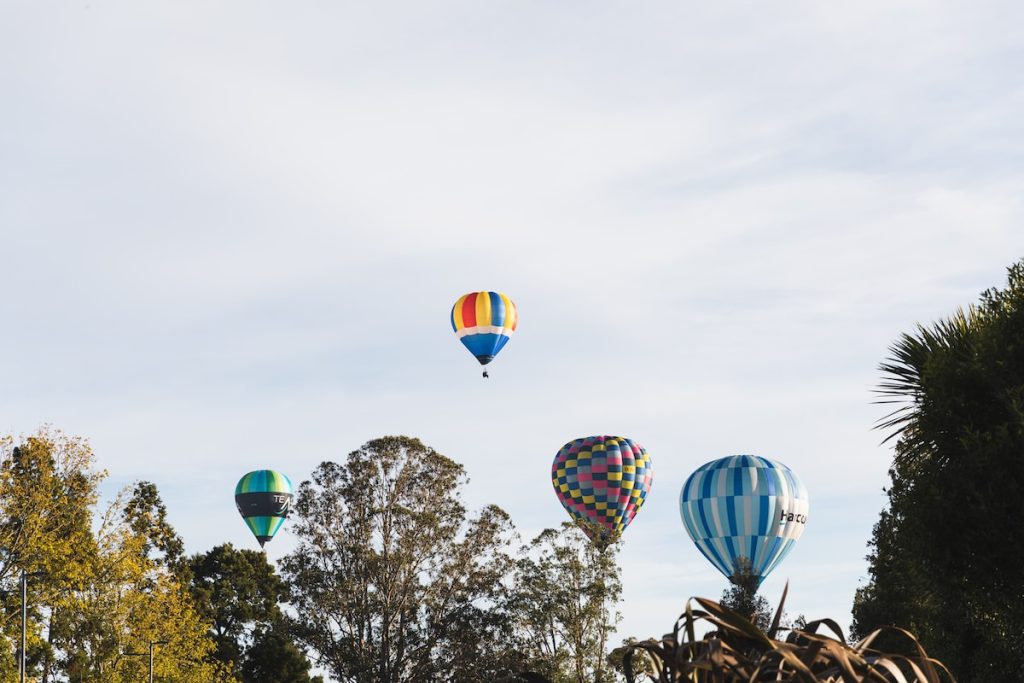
(262, 498)
(484, 322)
(602, 481)
(744, 506)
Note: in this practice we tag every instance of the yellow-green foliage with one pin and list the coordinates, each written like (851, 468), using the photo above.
(48, 488)
(128, 601)
(101, 596)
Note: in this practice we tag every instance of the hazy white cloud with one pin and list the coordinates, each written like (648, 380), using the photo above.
(232, 234)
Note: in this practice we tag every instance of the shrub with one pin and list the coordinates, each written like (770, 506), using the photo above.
(736, 651)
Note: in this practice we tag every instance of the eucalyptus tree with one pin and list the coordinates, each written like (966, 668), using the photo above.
(393, 579)
(564, 601)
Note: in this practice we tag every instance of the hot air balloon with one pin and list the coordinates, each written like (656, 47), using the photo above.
(744, 508)
(262, 498)
(483, 322)
(602, 481)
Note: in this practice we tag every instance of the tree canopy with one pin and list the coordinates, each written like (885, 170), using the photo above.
(566, 590)
(392, 579)
(96, 595)
(741, 596)
(946, 554)
(238, 592)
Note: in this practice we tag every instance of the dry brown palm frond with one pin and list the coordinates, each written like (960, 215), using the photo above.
(736, 651)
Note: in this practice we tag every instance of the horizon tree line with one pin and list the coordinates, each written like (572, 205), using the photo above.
(392, 580)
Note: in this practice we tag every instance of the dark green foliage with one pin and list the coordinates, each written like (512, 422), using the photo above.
(947, 556)
(238, 592)
(146, 514)
(274, 657)
(741, 596)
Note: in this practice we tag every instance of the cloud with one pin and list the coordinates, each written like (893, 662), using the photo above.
(232, 236)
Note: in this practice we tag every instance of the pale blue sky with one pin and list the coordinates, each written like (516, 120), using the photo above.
(232, 233)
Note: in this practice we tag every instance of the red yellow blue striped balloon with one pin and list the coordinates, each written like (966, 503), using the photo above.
(602, 481)
(484, 322)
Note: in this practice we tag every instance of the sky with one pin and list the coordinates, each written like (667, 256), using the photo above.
(232, 234)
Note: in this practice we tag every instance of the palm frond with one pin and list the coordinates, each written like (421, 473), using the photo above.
(904, 373)
(736, 651)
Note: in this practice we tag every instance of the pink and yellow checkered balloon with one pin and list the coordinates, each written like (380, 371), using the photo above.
(602, 481)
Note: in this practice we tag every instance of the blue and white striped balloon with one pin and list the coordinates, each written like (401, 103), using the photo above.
(744, 506)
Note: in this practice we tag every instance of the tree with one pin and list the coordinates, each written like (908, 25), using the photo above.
(47, 489)
(392, 580)
(946, 555)
(566, 589)
(146, 514)
(274, 657)
(94, 595)
(124, 600)
(238, 592)
(742, 596)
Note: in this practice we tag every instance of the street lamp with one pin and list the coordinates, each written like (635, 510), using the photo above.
(152, 643)
(24, 617)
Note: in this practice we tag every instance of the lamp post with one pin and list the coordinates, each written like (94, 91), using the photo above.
(152, 644)
(24, 618)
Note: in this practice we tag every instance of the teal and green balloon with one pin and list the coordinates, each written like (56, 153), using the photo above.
(262, 498)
